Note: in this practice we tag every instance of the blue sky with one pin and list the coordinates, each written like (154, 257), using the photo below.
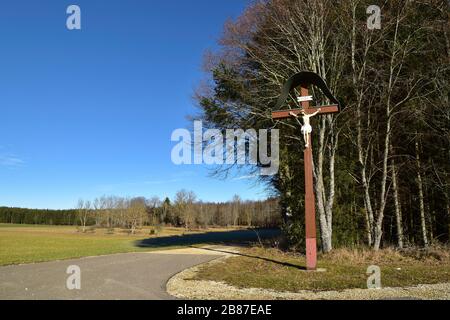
(90, 112)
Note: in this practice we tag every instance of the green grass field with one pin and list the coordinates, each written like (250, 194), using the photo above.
(37, 243)
(345, 269)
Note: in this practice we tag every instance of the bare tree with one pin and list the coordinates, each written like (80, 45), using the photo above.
(84, 211)
(290, 36)
(235, 203)
(184, 204)
(136, 213)
(154, 203)
(381, 90)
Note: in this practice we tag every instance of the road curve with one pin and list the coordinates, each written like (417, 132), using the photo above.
(140, 276)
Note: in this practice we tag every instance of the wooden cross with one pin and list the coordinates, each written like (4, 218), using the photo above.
(310, 211)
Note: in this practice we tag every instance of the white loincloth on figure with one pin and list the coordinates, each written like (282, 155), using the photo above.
(306, 128)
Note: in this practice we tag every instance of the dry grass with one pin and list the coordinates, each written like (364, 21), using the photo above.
(346, 269)
(432, 255)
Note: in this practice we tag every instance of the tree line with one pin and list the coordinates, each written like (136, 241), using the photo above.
(381, 166)
(38, 216)
(133, 213)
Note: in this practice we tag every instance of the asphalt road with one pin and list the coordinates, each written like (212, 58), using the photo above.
(118, 276)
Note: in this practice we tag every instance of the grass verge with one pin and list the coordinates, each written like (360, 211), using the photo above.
(273, 269)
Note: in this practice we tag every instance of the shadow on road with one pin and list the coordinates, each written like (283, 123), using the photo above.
(235, 237)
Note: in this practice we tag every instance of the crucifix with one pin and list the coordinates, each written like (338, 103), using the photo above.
(301, 81)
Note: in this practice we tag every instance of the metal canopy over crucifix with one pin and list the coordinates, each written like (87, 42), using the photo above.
(303, 80)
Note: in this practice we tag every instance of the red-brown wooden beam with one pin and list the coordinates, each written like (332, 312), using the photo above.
(310, 211)
(283, 114)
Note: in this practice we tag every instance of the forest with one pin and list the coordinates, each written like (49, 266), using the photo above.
(133, 213)
(381, 166)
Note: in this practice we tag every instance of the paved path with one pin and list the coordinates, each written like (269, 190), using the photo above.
(118, 276)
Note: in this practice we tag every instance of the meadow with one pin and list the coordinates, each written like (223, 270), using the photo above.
(36, 243)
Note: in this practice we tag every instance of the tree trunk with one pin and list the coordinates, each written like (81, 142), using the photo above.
(398, 209)
(83, 224)
(324, 204)
(378, 230)
(448, 218)
(331, 188)
(429, 217)
(421, 197)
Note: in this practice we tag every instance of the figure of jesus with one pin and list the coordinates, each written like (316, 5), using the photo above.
(306, 127)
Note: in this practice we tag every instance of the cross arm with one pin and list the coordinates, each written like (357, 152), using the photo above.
(284, 114)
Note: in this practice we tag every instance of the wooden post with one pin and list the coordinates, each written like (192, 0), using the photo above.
(310, 209)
